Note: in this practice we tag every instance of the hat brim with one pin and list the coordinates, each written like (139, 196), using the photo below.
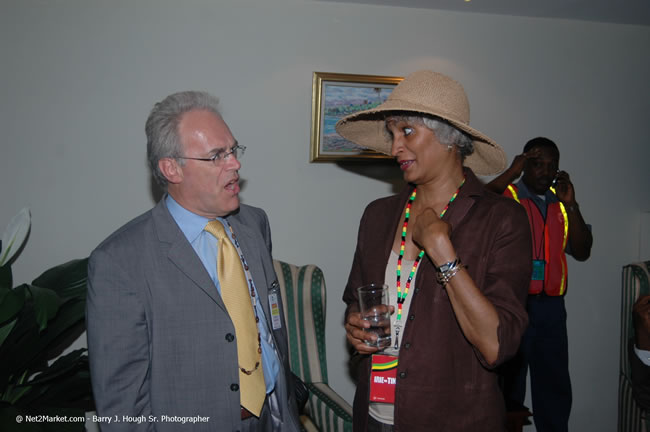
(367, 129)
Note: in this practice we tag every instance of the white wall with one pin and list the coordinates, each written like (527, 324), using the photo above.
(78, 77)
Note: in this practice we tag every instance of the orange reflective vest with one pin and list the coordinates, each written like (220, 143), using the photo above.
(552, 234)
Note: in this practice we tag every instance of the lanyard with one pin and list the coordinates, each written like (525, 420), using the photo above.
(401, 296)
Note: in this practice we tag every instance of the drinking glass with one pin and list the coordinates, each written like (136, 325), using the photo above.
(374, 307)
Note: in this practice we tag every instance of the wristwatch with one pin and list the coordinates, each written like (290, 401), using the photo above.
(447, 266)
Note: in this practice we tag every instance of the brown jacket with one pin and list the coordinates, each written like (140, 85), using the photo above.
(444, 383)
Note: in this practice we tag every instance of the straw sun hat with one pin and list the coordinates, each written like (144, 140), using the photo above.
(424, 92)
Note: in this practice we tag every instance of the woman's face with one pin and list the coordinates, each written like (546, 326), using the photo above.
(417, 150)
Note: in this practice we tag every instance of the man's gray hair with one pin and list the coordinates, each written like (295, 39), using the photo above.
(161, 128)
(447, 134)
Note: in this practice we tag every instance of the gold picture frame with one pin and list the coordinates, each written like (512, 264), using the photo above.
(335, 95)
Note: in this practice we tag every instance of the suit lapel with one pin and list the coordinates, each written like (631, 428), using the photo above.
(181, 253)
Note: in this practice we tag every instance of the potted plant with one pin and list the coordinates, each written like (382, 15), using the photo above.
(40, 389)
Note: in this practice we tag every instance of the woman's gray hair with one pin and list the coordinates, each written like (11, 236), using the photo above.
(161, 128)
(447, 134)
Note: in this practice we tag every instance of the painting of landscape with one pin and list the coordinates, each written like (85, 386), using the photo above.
(336, 96)
(341, 100)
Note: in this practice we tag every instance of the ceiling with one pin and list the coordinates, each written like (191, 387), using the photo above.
(608, 11)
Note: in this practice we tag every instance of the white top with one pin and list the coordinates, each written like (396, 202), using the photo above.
(384, 412)
(643, 355)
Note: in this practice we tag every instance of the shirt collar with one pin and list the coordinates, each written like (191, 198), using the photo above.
(190, 223)
(473, 186)
(524, 192)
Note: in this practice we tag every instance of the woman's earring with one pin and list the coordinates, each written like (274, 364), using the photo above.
(449, 147)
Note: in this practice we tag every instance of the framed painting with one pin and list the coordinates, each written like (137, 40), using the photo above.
(334, 96)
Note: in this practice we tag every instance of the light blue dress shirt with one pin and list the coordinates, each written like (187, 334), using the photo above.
(643, 355)
(205, 246)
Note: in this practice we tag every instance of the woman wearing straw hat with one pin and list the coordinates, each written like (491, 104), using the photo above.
(464, 255)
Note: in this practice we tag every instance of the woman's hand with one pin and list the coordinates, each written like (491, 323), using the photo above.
(356, 334)
(476, 315)
(432, 234)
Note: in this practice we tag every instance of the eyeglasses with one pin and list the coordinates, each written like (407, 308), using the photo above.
(237, 151)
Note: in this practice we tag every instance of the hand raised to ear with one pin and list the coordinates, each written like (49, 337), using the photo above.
(564, 188)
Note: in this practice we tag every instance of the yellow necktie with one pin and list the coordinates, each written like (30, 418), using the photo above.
(235, 294)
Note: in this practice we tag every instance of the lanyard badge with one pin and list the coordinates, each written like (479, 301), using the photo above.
(274, 306)
(538, 270)
(383, 377)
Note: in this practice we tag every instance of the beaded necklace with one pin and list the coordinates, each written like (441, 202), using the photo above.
(401, 296)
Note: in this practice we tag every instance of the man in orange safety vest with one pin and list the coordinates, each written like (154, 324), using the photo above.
(557, 228)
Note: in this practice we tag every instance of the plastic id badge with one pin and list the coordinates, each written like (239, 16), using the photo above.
(383, 377)
(538, 270)
(274, 306)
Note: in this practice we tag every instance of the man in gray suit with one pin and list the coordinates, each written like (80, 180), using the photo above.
(165, 353)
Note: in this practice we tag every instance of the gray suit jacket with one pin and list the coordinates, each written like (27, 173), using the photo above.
(159, 336)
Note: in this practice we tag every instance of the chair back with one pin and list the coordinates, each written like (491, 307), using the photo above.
(304, 300)
(303, 294)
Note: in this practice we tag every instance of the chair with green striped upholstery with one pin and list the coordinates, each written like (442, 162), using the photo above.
(631, 418)
(304, 297)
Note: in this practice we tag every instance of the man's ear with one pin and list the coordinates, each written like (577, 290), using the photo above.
(172, 171)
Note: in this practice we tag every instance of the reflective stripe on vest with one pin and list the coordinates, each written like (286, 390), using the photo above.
(555, 235)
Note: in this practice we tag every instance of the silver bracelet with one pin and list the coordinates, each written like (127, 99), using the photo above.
(445, 272)
(447, 266)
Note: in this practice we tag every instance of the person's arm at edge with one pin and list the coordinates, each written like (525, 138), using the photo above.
(640, 345)
(640, 377)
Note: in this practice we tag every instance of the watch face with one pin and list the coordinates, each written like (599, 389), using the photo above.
(446, 266)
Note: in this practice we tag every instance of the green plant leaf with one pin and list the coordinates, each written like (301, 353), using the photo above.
(46, 304)
(5, 329)
(37, 323)
(71, 392)
(18, 351)
(71, 314)
(27, 349)
(68, 391)
(67, 280)
(6, 278)
(17, 393)
(15, 235)
(61, 366)
(11, 302)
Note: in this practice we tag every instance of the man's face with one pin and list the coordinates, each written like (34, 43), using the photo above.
(539, 172)
(209, 189)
